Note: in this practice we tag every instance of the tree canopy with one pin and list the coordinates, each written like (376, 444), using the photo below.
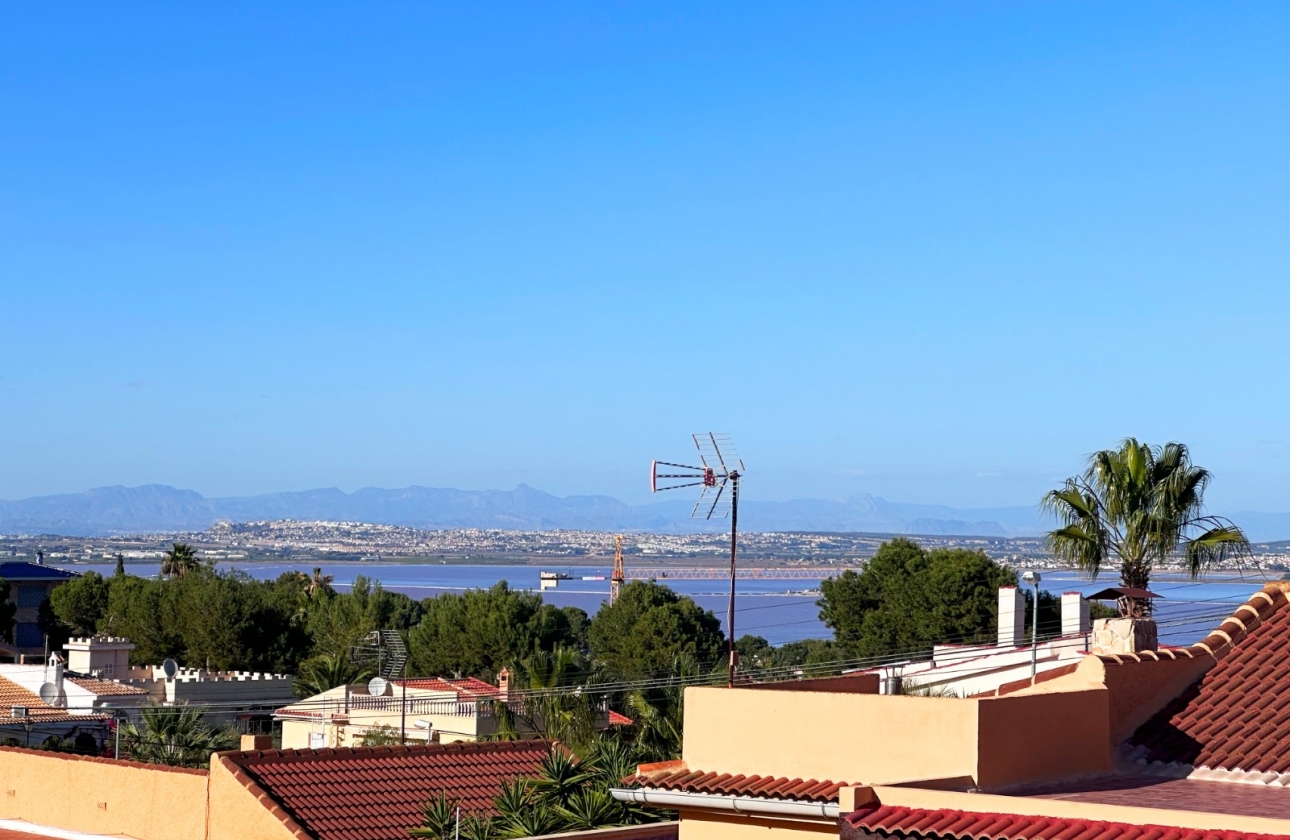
(907, 599)
(648, 627)
(477, 632)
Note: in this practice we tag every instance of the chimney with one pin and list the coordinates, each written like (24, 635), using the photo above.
(256, 743)
(1075, 621)
(504, 684)
(1012, 617)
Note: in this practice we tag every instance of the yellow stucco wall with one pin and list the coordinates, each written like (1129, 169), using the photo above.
(100, 796)
(1033, 738)
(877, 739)
(818, 735)
(238, 814)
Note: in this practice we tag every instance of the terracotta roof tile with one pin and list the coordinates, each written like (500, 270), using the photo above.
(376, 793)
(105, 688)
(674, 775)
(1235, 716)
(894, 821)
(12, 694)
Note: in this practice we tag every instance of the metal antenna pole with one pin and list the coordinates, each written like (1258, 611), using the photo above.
(730, 610)
(718, 471)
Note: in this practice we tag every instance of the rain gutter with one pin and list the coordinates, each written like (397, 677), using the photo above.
(738, 804)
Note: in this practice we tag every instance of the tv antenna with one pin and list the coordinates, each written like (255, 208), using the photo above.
(719, 477)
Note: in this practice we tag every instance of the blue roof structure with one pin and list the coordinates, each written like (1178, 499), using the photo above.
(22, 571)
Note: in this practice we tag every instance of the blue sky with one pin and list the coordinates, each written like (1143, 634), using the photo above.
(937, 252)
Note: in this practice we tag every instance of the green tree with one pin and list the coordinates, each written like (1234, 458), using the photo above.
(179, 560)
(1136, 506)
(327, 671)
(547, 704)
(81, 603)
(339, 621)
(174, 735)
(476, 632)
(907, 599)
(658, 712)
(648, 627)
(136, 610)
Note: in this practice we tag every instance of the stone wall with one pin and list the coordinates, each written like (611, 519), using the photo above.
(1119, 636)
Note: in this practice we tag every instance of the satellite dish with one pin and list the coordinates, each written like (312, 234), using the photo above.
(50, 695)
(170, 667)
(377, 687)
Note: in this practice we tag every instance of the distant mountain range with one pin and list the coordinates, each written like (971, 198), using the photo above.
(156, 508)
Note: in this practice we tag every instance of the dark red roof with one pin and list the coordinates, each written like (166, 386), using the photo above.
(1237, 715)
(674, 775)
(895, 821)
(376, 793)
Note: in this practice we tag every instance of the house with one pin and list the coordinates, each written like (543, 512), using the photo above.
(966, 670)
(374, 793)
(429, 710)
(27, 720)
(30, 585)
(100, 666)
(75, 693)
(1168, 743)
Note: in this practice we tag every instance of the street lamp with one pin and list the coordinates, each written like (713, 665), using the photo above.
(1032, 578)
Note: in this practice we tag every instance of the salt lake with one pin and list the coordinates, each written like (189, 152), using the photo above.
(780, 610)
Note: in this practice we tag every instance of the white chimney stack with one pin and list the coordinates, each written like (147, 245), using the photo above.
(1012, 617)
(1075, 620)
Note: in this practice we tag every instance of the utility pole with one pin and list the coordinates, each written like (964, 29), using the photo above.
(1033, 578)
(730, 610)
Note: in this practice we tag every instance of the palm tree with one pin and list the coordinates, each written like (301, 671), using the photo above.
(658, 711)
(554, 701)
(326, 671)
(318, 583)
(175, 735)
(1137, 506)
(179, 561)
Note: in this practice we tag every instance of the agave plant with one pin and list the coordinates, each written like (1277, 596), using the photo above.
(559, 776)
(1137, 506)
(438, 818)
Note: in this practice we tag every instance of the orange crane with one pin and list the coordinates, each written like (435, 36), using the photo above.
(617, 576)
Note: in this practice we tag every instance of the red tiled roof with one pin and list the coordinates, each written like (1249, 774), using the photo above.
(377, 793)
(675, 775)
(105, 688)
(469, 685)
(472, 685)
(616, 719)
(429, 684)
(1237, 715)
(894, 821)
(12, 694)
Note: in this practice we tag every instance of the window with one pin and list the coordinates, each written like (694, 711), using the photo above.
(28, 635)
(31, 595)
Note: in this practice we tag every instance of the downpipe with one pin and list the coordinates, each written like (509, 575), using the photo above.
(736, 804)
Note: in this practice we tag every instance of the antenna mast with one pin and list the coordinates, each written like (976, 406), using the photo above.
(721, 468)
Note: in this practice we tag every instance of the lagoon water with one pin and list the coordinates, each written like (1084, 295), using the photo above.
(780, 610)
